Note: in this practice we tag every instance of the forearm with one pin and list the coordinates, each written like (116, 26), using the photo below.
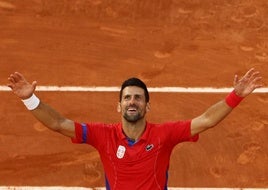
(49, 117)
(220, 110)
(53, 120)
(214, 114)
(211, 117)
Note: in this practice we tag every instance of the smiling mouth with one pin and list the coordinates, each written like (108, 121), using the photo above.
(132, 114)
(131, 110)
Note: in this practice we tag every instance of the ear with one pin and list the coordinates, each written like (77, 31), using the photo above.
(119, 107)
(148, 107)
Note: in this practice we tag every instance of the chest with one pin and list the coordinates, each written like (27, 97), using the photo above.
(121, 151)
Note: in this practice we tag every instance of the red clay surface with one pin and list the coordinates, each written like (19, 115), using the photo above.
(185, 43)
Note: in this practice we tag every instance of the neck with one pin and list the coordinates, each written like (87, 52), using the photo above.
(134, 130)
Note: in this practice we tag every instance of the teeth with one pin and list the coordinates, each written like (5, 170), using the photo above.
(132, 109)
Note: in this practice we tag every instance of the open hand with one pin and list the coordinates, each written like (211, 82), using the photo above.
(248, 83)
(20, 86)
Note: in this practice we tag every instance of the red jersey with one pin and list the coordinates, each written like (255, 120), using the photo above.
(136, 165)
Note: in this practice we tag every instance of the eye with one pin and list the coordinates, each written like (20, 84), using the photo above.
(138, 97)
(127, 97)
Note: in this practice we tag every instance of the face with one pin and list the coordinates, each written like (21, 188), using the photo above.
(133, 105)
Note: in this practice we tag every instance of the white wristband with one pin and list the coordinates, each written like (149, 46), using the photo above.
(32, 102)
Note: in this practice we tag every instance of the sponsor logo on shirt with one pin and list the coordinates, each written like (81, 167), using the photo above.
(149, 147)
(120, 151)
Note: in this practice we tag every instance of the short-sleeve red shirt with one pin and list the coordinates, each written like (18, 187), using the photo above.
(140, 165)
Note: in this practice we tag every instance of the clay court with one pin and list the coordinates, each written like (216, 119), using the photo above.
(166, 43)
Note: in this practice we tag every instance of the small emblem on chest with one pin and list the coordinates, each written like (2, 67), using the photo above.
(120, 151)
(149, 147)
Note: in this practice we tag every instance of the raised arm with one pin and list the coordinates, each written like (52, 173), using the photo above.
(217, 112)
(44, 113)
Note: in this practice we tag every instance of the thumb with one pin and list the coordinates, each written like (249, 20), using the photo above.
(34, 84)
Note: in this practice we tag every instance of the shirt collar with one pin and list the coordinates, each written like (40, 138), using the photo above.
(144, 135)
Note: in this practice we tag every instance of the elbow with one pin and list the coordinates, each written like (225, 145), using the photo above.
(59, 125)
(211, 124)
(208, 123)
(211, 120)
(55, 127)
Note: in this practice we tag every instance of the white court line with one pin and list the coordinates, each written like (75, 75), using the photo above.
(103, 188)
(150, 89)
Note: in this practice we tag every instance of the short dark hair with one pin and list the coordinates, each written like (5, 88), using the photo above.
(134, 82)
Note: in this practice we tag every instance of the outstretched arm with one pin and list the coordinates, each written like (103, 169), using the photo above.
(217, 112)
(44, 113)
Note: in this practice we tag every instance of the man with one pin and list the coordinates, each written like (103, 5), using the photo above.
(135, 153)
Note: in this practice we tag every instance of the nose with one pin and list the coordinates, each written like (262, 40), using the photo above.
(132, 101)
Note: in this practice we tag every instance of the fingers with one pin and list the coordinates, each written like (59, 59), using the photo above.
(11, 80)
(17, 77)
(10, 86)
(255, 75)
(20, 86)
(13, 77)
(243, 78)
(235, 80)
(254, 78)
(248, 83)
(17, 80)
(257, 82)
(249, 73)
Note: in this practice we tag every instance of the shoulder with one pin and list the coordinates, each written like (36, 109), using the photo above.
(98, 124)
(169, 125)
(95, 126)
